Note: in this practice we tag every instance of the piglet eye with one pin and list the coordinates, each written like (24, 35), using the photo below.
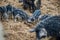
(32, 19)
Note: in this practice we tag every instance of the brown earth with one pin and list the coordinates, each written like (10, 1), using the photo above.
(19, 30)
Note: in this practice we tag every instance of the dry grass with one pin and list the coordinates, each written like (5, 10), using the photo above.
(19, 30)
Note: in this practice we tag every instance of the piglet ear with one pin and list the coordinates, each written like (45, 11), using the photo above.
(32, 30)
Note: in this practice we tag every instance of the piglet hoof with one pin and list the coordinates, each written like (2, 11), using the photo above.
(32, 30)
(15, 21)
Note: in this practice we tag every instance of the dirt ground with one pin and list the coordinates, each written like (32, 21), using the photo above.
(19, 30)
